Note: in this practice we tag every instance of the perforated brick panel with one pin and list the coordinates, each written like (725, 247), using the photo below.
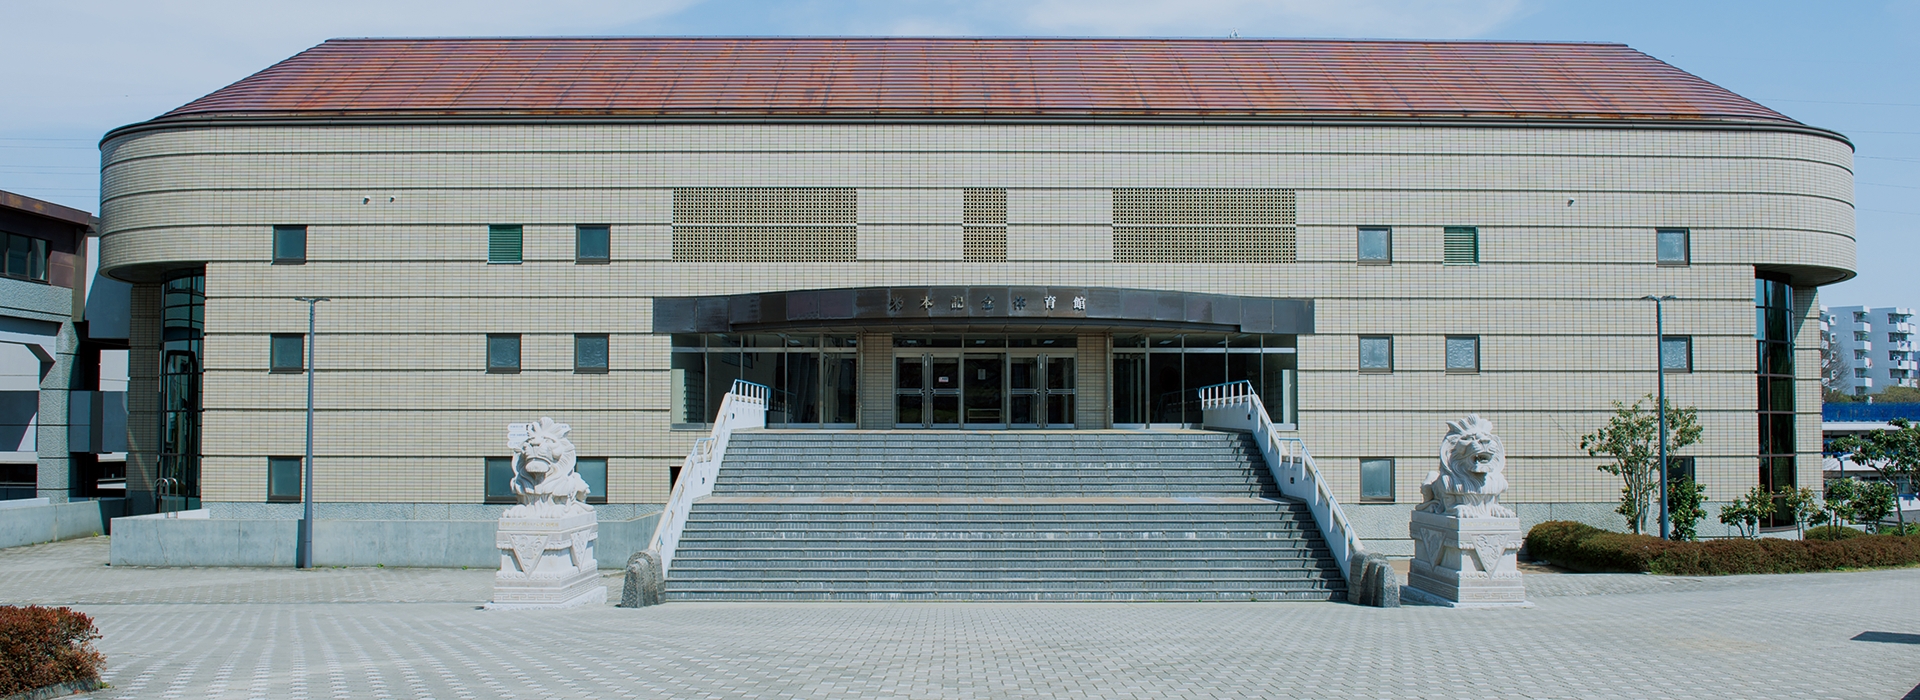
(765, 224)
(985, 237)
(1203, 225)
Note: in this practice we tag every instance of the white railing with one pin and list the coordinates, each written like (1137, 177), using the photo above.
(744, 407)
(1234, 406)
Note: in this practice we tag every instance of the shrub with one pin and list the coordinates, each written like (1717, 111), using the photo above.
(1584, 548)
(40, 647)
(1832, 533)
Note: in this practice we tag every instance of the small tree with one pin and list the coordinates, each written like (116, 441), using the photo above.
(1747, 512)
(1871, 503)
(1686, 503)
(1840, 493)
(1801, 504)
(1631, 438)
(1894, 453)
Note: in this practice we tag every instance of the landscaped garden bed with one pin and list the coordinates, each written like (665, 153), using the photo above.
(46, 647)
(1581, 547)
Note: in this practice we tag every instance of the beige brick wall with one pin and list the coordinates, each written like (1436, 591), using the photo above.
(397, 222)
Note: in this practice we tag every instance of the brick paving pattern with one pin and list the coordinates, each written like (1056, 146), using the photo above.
(416, 633)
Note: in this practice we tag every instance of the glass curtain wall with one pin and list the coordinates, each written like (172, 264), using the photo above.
(1157, 377)
(1773, 336)
(183, 326)
(813, 378)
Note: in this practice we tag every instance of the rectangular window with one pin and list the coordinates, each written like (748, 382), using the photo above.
(1679, 468)
(503, 245)
(1861, 336)
(1376, 245)
(503, 353)
(592, 244)
(26, 257)
(594, 471)
(1376, 353)
(1859, 373)
(1376, 480)
(289, 245)
(1676, 353)
(1859, 317)
(1462, 245)
(283, 479)
(1672, 247)
(288, 353)
(590, 353)
(499, 477)
(1463, 353)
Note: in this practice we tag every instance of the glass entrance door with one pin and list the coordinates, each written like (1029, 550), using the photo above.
(1040, 391)
(926, 391)
(985, 390)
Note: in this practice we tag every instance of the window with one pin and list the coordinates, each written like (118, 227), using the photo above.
(289, 245)
(1462, 246)
(1376, 353)
(26, 257)
(1376, 245)
(288, 353)
(1672, 247)
(1676, 353)
(1859, 354)
(499, 477)
(1376, 480)
(503, 353)
(503, 245)
(590, 353)
(592, 245)
(1860, 372)
(1463, 353)
(283, 479)
(594, 471)
(1859, 317)
(1679, 469)
(1861, 336)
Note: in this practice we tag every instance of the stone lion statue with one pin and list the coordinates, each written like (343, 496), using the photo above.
(1469, 482)
(543, 473)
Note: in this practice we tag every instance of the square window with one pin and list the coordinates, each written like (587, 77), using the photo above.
(503, 245)
(1462, 245)
(1676, 353)
(1463, 353)
(590, 353)
(1671, 247)
(503, 353)
(26, 257)
(593, 470)
(289, 353)
(499, 477)
(1679, 468)
(593, 244)
(289, 245)
(1376, 245)
(1376, 480)
(283, 479)
(1376, 353)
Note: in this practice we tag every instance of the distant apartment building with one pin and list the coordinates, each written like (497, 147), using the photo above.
(1875, 345)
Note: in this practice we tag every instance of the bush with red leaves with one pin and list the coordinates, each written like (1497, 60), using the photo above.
(1586, 548)
(40, 647)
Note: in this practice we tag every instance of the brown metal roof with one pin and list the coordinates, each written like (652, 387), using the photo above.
(42, 208)
(993, 77)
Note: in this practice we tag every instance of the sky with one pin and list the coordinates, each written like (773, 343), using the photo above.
(77, 68)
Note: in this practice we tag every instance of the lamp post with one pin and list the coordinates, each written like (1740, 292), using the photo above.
(1660, 369)
(305, 555)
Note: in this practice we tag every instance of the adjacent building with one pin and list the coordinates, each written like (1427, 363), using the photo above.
(960, 234)
(1873, 348)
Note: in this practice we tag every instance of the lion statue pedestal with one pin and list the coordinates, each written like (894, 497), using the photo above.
(546, 541)
(1465, 544)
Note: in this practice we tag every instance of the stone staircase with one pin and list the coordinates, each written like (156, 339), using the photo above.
(953, 515)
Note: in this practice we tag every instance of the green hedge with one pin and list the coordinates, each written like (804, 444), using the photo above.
(1586, 548)
(40, 647)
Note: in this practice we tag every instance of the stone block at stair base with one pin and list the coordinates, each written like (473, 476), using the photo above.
(547, 563)
(1466, 562)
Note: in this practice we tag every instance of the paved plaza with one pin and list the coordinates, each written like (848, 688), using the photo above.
(417, 633)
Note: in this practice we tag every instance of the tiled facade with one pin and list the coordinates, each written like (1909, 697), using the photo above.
(397, 222)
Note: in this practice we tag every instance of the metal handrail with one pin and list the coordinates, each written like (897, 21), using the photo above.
(745, 406)
(1235, 405)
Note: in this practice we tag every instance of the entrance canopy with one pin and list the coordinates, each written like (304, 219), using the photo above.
(1054, 307)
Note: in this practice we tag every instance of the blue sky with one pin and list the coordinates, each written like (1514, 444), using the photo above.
(81, 67)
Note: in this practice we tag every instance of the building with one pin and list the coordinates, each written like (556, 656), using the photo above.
(1876, 347)
(1380, 235)
(62, 376)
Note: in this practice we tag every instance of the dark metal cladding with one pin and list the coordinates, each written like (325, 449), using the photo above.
(961, 306)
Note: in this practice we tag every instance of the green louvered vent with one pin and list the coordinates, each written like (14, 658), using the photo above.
(503, 245)
(1462, 245)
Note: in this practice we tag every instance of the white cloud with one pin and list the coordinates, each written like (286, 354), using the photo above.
(1292, 18)
(112, 62)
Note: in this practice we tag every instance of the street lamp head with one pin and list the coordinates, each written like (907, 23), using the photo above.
(1668, 297)
(311, 300)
